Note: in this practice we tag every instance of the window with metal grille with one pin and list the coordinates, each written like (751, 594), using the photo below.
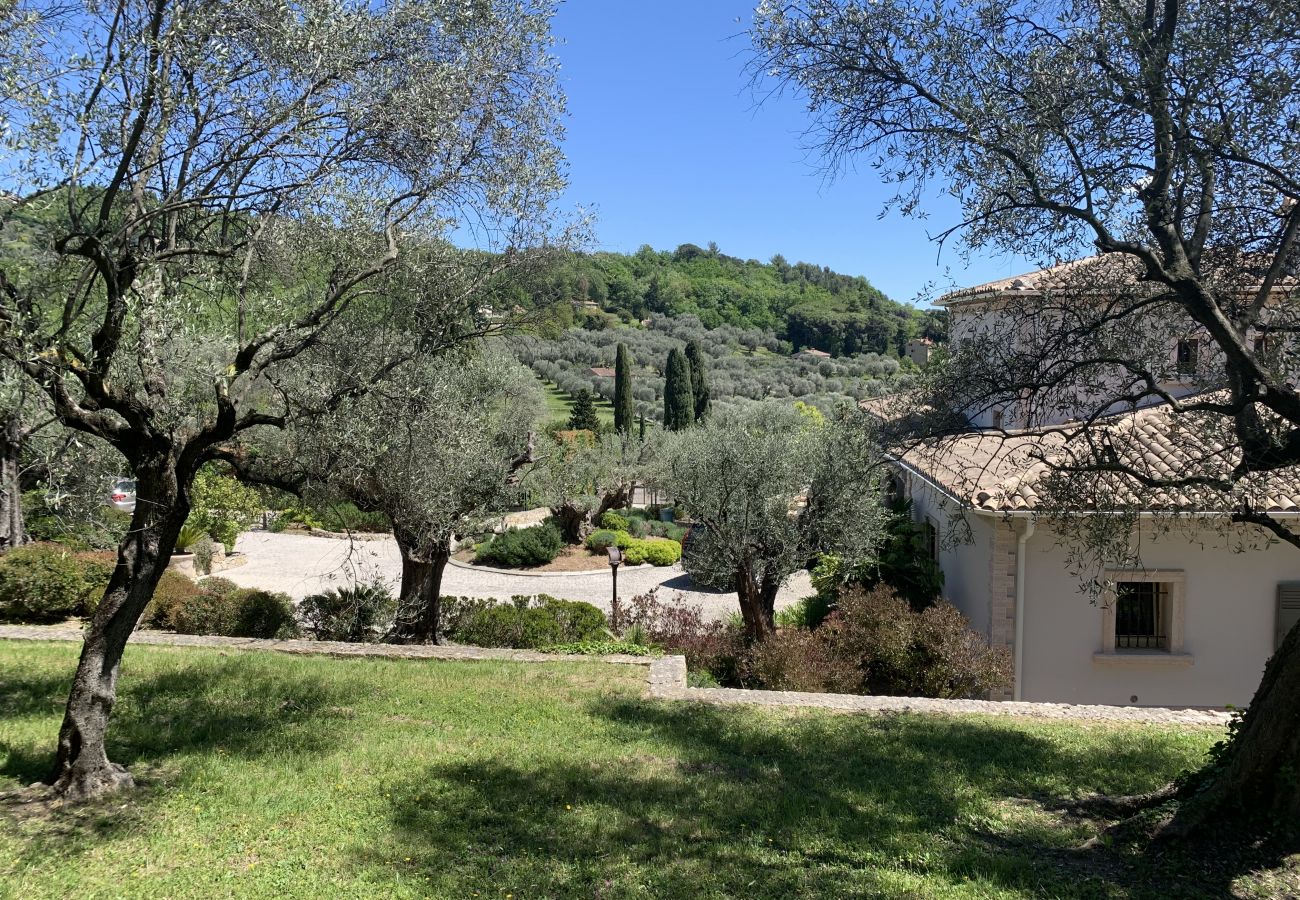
(1186, 357)
(931, 536)
(1140, 615)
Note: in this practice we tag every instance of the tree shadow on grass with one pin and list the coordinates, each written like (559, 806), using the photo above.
(181, 706)
(733, 803)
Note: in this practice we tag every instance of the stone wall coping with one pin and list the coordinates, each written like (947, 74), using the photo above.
(665, 679)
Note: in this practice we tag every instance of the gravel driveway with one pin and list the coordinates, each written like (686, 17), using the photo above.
(299, 565)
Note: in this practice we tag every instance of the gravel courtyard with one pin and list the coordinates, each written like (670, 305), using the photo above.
(300, 564)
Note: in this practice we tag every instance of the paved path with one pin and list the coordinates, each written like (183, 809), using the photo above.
(300, 564)
(666, 679)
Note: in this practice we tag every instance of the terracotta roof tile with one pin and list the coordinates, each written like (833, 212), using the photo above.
(1010, 472)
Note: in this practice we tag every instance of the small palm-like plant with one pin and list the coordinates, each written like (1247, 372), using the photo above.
(189, 536)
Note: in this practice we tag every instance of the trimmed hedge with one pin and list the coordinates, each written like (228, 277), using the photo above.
(522, 547)
(656, 551)
(526, 623)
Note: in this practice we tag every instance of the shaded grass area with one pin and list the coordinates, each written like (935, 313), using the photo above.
(559, 406)
(269, 775)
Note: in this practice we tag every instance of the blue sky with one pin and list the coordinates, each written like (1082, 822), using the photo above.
(668, 145)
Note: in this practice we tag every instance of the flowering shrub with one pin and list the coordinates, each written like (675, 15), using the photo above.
(681, 628)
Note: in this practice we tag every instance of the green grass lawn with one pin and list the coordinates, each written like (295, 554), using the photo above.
(559, 406)
(268, 776)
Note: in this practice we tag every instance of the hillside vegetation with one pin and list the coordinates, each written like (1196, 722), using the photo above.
(804, 304)
(743, 365)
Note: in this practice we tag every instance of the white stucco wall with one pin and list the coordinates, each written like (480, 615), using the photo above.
(1229, 620)
(964, 547)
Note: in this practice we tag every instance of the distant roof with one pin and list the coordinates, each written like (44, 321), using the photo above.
(820, 354)
(1091, 275)
(1006, 472)
(602, 372)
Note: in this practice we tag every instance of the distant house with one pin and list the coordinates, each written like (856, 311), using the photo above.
(602, 372)
(919, 350)
(810, 353)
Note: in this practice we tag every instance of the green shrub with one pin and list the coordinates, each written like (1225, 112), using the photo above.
(455, 612)
(42, 583)
(530, 623)
(615, 521)
(806, 613)
(223, 506)
(656, 551)
(345, 516)
(361, 612)
(218, 585)
(601, 540)
(263, 614)
(174, 591)
(522, 547)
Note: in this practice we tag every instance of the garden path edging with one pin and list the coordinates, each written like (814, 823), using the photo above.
(665, 679)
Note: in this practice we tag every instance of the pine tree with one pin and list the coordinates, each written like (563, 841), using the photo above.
(583, 417)
(699, 386)
(679, 402)
(622, 390)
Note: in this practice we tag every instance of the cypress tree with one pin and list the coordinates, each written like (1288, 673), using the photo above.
(622, 390)
(642, 417)
(679, 402)
(583, 417)
(699, 387)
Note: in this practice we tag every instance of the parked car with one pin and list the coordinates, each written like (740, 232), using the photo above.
(122, 496)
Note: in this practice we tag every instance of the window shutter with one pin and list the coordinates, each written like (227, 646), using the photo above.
(1288, 609)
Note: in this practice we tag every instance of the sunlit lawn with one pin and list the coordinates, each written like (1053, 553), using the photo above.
(269, 775)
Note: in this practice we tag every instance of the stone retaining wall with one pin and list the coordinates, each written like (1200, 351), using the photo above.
(665, 679)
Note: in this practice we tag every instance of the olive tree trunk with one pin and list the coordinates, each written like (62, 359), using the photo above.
(420, 604)
(1257, 776)
(757, 604)
(13, 530)
(82, 770)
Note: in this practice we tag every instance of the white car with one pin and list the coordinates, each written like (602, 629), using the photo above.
(122, 495)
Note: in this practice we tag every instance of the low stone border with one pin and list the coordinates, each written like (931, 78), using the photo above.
(349, 535)
(665, 679)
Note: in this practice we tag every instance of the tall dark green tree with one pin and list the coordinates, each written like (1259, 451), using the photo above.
(679, 401)
(622, 390)
(699, 384)
(583, 417)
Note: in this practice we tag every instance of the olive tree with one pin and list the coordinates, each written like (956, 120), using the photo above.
(1161, 135)
(767, 490)
(436, 449)
(581, 476)
(221, 188)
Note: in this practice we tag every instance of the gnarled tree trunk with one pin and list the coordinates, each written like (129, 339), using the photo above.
(757, 604)
(13, 530)
(420, 605)
(82, 770)
(1258, 774)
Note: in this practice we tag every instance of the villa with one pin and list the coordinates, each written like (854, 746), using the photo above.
(1192, 625)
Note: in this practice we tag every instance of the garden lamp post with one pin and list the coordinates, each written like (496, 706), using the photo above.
(615, 557)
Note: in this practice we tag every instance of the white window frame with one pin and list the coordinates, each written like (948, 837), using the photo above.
(1175, 581)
